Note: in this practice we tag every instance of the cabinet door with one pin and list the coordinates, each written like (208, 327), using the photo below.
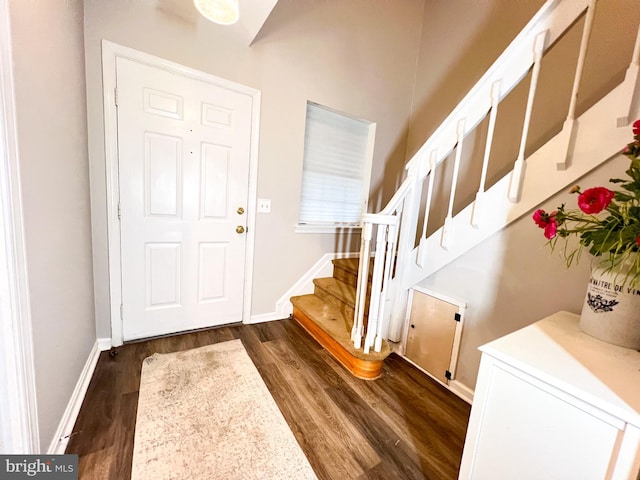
(432, 328)
(528, 433)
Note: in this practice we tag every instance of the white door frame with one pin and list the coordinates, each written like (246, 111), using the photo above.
(18, 405)
(110, 51)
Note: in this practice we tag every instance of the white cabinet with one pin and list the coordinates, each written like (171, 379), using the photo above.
(553, 403)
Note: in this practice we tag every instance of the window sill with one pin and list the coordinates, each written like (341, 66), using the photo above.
(326, 228)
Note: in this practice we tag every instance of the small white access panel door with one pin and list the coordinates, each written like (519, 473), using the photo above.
(434, 326)
(184, 148)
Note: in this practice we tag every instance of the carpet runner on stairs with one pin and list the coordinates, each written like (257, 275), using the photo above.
(327, 315)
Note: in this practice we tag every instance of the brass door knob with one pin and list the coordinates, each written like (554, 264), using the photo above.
(240, 211)
(239, 229)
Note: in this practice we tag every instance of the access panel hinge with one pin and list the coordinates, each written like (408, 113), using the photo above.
(119, 211)
(121, 312)
(447, 374)
(457, 317)
(115, 96)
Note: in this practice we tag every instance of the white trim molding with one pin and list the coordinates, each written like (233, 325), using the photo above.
(304, 285)
(104, 344)
(462, 391)
(333, 229)
(65, 427)
(18, 404)
(111, 51)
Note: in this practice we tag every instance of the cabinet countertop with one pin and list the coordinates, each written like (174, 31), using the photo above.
(555, 351)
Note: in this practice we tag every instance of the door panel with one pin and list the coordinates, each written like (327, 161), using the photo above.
(213, 189)
(163, 275)
(162, 174)
(183, 147)
(431, 334)
(212, 270)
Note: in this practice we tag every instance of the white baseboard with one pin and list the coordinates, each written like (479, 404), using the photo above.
(458, 389)
(104, 344)
(266, 317)
(461, 390)
(304, 285)
(61, 437)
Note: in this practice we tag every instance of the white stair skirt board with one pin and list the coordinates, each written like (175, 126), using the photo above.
(304, 285)
(65, 427)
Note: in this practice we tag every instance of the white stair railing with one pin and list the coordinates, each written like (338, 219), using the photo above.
(397, 258)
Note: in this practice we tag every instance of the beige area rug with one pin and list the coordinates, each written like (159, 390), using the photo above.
(207, 414)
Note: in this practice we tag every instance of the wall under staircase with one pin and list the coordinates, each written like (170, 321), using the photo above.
(584, 143)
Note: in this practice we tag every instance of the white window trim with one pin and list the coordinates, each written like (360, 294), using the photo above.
(313, 228)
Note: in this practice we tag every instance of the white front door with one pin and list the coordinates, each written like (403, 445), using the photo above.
(183, 154)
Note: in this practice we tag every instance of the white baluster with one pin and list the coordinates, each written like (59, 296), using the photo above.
(376, 288)
(631, 86)
(392, 235)
(422, 253)
(566, 137)
(517, 176)
(361, 290)
(478, 208)
(445, 241)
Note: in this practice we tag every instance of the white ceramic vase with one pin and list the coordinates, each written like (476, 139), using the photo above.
(611, 310)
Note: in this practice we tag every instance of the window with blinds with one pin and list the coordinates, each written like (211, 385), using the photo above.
(338, 151)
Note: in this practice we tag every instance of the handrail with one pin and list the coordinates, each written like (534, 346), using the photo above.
(397, 198)
(395, 226)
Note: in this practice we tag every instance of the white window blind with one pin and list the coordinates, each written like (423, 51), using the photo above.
(336, 169)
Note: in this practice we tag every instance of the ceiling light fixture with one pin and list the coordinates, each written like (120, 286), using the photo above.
(223, 12)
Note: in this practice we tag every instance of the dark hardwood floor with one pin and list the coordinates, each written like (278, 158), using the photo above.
(400, 426)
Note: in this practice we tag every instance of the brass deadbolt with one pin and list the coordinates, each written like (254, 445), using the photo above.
(240, 211)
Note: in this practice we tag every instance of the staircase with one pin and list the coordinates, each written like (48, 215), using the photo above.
(353, 318)
(328, 314)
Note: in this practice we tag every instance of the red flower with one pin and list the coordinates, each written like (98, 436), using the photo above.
(547, 221)
(638, 240)
(636, 127)
(551, 229)
(594, 200)
(541, 218)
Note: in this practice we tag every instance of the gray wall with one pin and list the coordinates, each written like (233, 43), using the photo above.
(356, 56)
(52, 141)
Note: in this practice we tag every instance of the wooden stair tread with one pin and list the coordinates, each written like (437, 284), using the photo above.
(336, 325)
(342, 291)
(348, 264)
(327, 315)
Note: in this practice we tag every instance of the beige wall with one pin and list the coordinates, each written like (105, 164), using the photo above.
(446, 72)
(357, 56)
(51, 120)
(460, 40)
(512, 279)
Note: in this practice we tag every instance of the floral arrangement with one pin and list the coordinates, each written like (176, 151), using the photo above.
(606, 223)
